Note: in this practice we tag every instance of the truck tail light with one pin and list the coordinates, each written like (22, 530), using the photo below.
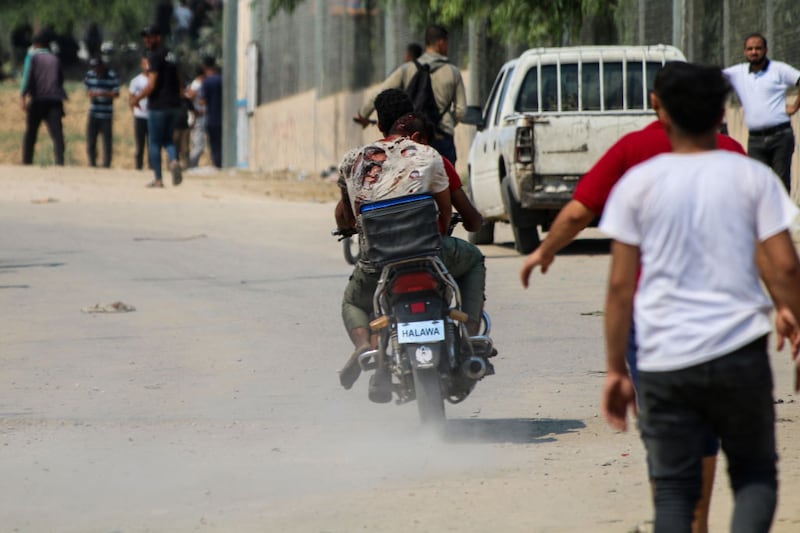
(523, 145)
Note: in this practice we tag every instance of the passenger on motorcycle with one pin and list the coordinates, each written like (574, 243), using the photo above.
(368, 180)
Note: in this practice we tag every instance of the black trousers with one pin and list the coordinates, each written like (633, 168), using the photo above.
(215, 144)
(98, 127)
(140, 135)
(50, 111)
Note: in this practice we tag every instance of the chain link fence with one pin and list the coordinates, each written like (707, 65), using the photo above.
(348, 45)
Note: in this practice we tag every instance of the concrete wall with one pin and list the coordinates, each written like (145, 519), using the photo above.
(310, 134)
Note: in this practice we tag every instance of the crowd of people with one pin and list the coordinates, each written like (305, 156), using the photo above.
(170, 112)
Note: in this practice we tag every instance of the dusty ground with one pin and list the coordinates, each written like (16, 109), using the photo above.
(215, 407)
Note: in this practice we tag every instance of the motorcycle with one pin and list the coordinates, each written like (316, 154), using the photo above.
(422, 336)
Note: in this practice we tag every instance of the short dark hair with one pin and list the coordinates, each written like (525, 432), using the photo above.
(414, 50)
(756, 34)
(434, 33)
(693, 95)
(390, 105)
(43, 38)
(411, 123)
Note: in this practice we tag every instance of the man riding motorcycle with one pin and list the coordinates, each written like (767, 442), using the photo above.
(373, 172)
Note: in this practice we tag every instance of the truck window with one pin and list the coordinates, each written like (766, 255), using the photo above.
(612, 86)
(569, 87)
(652, 67)
(549, 88)
(506, 82)
(590, 86)
(487, 110)
(634, 85)
(528, 98)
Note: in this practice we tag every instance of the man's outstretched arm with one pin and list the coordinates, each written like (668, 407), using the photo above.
(572, 218)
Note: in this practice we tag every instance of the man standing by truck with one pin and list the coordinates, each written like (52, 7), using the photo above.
(761, 85)
(448, 90)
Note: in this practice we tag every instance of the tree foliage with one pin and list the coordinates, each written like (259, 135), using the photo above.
(119, 19)
(530, 22)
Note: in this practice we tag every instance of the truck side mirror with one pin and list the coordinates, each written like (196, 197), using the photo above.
(474, 116)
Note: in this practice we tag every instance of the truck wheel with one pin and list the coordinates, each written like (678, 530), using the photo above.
(485, 235)
(523, 225)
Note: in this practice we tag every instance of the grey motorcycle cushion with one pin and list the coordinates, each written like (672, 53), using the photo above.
(400, 228)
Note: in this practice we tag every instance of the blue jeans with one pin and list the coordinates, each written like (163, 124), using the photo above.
(733, 396)
(774, 150)
(161, 128)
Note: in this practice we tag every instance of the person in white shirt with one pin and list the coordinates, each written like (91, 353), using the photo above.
(700, 225)
(198, 140)
(183, 20)
(761, 85)
(140, 113)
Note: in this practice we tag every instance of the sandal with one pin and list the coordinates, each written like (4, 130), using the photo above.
(351, 369)
(156, 184)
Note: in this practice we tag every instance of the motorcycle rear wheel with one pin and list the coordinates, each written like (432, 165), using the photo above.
(430, 402)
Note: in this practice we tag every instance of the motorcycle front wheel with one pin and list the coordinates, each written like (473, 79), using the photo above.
(429, 397)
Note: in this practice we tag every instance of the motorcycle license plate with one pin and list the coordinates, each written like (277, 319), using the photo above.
(416, 332)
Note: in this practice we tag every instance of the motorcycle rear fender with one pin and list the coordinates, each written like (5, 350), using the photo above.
(424, 356)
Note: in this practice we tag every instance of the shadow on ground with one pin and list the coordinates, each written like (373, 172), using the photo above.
(576, 247)
(509, 430)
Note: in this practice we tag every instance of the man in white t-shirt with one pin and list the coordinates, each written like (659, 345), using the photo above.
(692, 221)
(140, 113)
(761, 86)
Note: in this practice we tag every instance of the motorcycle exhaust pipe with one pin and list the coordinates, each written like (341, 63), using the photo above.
(474, 368)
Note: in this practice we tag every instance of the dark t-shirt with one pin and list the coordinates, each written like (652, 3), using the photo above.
(212, 93)
(167, 92)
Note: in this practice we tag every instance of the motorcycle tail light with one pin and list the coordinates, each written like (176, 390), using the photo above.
(417, 307)
(414, 282)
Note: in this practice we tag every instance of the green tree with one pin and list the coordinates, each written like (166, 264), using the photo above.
(121, 19)
(542, 22)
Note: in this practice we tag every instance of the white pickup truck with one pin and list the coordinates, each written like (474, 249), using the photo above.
(551, 114)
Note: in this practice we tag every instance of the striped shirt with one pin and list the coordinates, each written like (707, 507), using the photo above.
(102, 106)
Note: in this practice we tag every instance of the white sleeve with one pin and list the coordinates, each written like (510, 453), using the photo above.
(620, 219)
(789, 75)
(775, 211)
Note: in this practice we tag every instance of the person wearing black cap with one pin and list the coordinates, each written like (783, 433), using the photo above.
(163, 93)
(102, 86)
(42, 98)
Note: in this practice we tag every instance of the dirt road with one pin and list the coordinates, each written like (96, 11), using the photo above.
(214, 405)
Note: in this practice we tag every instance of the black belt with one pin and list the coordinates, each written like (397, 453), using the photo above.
(771, 130)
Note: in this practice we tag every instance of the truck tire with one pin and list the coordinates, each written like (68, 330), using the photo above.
(485, 235)
(523, 224)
